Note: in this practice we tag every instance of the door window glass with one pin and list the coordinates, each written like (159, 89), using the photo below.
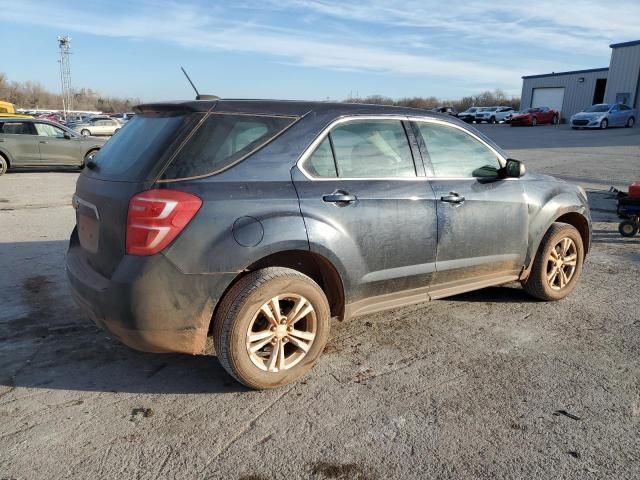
(454, 153)
(320, 163)
(46, 130)
(372, 149)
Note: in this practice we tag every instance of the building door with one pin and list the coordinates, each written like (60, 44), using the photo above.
(548, 97)
(598, 93)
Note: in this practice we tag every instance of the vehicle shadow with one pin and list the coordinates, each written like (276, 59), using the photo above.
(46, 341)
(511, 293)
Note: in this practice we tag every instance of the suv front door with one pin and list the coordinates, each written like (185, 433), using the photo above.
(482, 219)
(18, 139)
(367, 207)
(55, 149)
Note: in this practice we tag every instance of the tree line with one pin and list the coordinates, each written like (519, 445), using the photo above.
(484, 99)
(32, 95)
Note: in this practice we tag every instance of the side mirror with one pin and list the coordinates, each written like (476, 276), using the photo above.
(67, 135)
(513, 169)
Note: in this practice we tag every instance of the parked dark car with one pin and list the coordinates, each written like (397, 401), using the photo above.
(32, 142)
(447, 110)
(256, 222)
(469, 115)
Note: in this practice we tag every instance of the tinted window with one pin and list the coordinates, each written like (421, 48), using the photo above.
(17, 128)
(598, 108)
(454, 153)
(146, 143)
(320, 163)
(222, 140)
(372, 149)
(46, 130)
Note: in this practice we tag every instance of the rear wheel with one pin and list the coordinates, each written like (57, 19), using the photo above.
(89, 156)
(631, 122)
(554, 120)
(558, 264)
(492, 120)
(604, 124)
(85, 132)
(271, 327)
(628, 228)
(4, 165)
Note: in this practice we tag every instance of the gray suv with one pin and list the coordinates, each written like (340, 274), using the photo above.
(256, 222)
(29, 142)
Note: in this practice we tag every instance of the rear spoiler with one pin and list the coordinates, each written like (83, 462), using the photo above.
(186, 106)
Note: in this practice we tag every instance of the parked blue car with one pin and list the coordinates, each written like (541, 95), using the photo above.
(604, 115)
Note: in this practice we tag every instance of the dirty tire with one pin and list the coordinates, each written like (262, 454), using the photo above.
(628, 228)
(236, 312)
(4, 165)
(537, 285)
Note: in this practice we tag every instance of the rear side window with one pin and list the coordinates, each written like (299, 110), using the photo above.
(221, 141)
(17, 128)
(363, 149)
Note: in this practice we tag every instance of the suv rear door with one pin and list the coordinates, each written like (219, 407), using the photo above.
(19, 140)
(482, 220)
(368, 208)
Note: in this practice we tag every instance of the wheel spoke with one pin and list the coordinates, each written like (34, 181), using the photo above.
(571, 260)
(563, 279)
(552, 277)
(273, 358)
(257, 345)
(566, 243)
(553, 253)
(281, 365)
(266, 310)
(300, 344)
(303, 335)
(301, 314)
(275, 307)
(300, 303)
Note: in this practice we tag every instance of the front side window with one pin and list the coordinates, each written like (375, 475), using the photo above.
(46, 130)
(364, 149)
(456, 154)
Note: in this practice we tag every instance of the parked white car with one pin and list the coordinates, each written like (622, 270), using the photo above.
(493, 114)
(97, 126)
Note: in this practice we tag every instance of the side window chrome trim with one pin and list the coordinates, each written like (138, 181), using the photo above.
(346, 119)
(501, 159)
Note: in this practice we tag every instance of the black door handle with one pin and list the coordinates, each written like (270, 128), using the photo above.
(453, 197)
(339, 197)
(43, 141)
(1, 140)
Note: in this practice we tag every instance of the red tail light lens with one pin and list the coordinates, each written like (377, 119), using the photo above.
(156, 217)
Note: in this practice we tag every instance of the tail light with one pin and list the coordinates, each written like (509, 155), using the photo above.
(156, 217)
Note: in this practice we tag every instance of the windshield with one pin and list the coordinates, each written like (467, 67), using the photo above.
(598, 108)
(141, 146)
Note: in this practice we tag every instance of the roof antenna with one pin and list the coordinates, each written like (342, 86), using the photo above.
(198, 96)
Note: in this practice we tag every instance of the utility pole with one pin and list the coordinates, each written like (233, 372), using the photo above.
(65, 74)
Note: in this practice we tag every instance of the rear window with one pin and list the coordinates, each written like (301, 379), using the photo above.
(141, 147)
(221, 141)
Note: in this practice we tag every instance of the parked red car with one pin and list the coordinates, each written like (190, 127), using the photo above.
(535, 116)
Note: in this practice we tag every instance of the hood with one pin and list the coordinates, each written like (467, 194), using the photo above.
(590, 114)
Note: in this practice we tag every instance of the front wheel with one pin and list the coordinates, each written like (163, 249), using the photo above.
(628, 228)
(492, 120)
(271, 327)
(557, 265)
(604, 124)
(4, 165)
(631, 122)
(534, 122)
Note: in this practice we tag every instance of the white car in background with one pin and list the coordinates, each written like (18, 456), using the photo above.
(493, 114)
(97, 126)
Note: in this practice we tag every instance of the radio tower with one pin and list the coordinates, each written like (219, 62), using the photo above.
(65, 74)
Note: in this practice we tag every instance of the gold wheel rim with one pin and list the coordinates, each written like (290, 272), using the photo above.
(561, 264)
(281, 332)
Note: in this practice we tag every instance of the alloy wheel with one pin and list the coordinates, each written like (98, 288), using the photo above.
(561, 263)
(281, 332)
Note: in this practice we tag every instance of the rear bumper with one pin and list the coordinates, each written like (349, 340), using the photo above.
(148, 304)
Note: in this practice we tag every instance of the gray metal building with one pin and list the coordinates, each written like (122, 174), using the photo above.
(571, 92)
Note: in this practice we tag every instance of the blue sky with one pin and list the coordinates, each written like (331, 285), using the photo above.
(310, 49)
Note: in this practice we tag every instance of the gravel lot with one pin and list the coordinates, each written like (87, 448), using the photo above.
(489, 384)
